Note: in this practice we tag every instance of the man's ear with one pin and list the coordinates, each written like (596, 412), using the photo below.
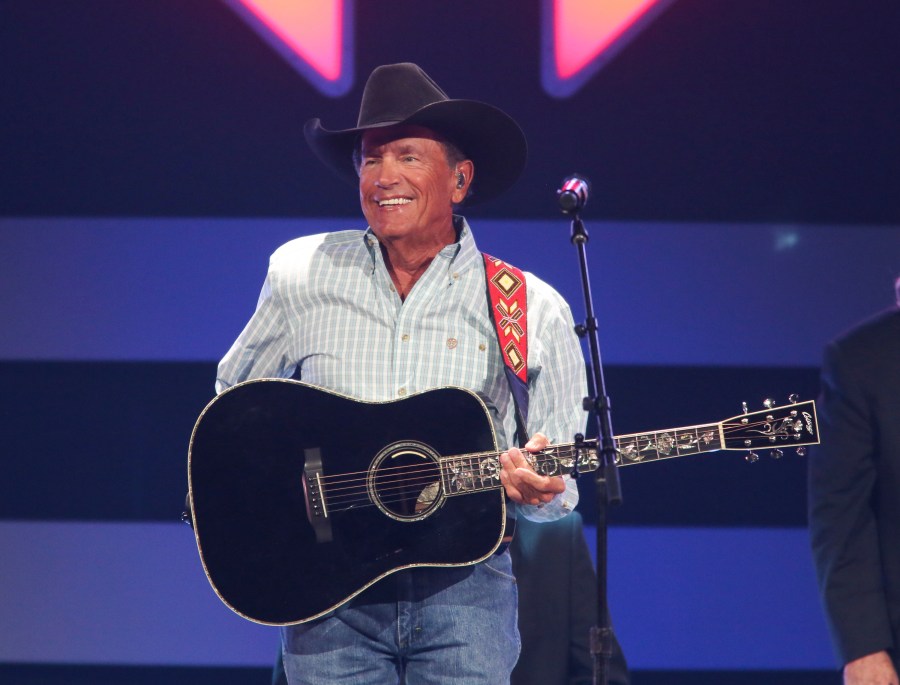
(465, 172)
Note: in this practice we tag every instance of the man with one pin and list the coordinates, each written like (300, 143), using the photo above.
(854, 498)
(398, 309)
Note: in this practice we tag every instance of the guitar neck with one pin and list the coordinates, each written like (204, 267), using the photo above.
(793, 425)
(481, 471)
(637, 448)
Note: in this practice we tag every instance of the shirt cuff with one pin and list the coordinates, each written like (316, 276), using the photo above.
(561, 505)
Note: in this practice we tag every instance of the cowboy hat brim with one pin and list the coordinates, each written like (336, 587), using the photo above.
(485, 134)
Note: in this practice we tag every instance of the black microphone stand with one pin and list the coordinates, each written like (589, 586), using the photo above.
(607, 479)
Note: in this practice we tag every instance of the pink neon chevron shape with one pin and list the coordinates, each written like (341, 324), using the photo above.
(311, 31)
(584, 34)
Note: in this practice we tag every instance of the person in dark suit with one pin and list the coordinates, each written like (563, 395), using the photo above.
(557, 606)
(854, 498)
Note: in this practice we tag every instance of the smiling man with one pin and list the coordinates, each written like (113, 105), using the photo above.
(402, 308)
(407, 188)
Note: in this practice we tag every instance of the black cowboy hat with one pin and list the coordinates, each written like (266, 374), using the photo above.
(404, 94)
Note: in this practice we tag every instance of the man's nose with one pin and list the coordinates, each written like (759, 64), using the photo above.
(388, 173)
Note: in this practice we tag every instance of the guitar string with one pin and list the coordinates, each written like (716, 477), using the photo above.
(417, 478)
(351, 478)
(446, 463)
(565, 451)
(409, 477)
(470, 473)
(354, 490)
(388, 495)
(414, 476)
(543, 457)
(472, 481)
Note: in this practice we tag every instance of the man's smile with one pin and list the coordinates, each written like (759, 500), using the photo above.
(394, 201)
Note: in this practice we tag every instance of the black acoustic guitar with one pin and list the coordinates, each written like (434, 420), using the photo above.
(302, 498)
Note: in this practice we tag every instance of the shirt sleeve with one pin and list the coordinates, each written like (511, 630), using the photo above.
(262, 348)
(556, 388)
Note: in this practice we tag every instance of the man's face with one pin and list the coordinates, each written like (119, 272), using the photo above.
(406, 185)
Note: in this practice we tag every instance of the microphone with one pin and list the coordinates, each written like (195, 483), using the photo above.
(573, 194)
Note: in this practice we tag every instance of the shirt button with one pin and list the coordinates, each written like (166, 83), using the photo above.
(405, 337)
(455, 276)
(481, 347)
(401, 392)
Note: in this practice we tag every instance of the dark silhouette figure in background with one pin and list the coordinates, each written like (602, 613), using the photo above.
(854, 498)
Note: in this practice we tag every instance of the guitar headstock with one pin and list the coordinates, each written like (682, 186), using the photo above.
(773, 428)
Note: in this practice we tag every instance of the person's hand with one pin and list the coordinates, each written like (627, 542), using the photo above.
(872, 669)
(522, 484)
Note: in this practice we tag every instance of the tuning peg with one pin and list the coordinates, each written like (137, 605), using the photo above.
(793, 397)
(744, 408)
(768, 403)
(751, 457)
(801, 451)
(776, 454)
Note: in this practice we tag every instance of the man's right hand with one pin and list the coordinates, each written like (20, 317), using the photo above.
(872, 669)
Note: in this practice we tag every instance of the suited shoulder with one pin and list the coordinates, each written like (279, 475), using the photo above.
(869, 353)
(873, 333)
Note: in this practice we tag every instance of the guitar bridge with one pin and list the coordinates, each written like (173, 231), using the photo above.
(314, 495)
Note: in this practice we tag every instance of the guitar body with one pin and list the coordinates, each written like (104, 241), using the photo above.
(296, 502)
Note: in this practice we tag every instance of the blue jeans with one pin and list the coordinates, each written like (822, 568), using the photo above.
(424, 626)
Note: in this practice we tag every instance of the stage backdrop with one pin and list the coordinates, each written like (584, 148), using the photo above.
(743, 159)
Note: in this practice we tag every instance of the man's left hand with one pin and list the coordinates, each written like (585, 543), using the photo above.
(522, 484)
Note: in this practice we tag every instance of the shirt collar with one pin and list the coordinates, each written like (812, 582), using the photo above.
(460, 256)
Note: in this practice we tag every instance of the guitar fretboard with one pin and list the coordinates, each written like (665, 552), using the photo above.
(678, 442)
(481, 471)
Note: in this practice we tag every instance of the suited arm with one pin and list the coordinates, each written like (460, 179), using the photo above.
(843, 529)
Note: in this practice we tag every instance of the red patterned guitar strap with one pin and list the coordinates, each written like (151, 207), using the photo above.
(507, 300)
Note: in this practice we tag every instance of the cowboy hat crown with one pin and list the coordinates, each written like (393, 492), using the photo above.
(404, 94)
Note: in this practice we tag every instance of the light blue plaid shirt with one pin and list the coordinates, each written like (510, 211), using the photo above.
(329, 313)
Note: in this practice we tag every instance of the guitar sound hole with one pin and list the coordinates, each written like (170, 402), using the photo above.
(405, 481)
